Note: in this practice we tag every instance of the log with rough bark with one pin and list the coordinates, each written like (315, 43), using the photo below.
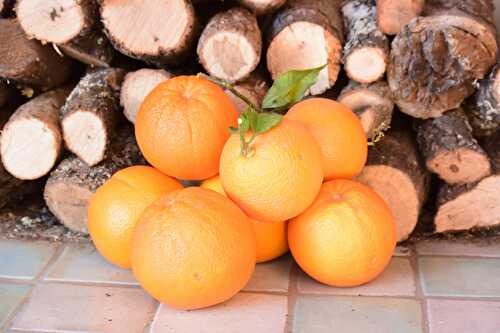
(450, 150)
(392, 15)
(28, 62)
(395, 171)
(31, 140)
(262, 7)
(72, 25)
(254, 88)
(475, 205)
(72, 183)
(156, 31)
(230, 45)
(91, 113)
(435, 60)
(136, 86)
(306, 34)
(372, 103)
(366, 50)
(483, 108)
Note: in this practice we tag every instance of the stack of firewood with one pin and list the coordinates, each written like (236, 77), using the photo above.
(73, 73)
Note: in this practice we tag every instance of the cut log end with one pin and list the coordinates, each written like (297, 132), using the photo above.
(392, 15)
(136, 86)
(366, 65)
(261, 7)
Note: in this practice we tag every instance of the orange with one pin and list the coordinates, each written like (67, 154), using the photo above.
(116, 206)
(346, 238)
(339, 133)
(280, 179)
(182, 126)
(193, 248)
(271, 236)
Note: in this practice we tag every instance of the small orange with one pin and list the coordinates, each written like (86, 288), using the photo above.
(182, 126)
(280, 179)
(346, 238)
(116, 206)
(339, 133)
(193, 248)
(271, 236)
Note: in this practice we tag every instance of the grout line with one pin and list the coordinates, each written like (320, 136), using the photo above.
(419, 292)
(448, 256)
(293, 292)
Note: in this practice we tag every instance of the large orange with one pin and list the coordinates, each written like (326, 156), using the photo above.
(182, 126)
(116, 206)
(193, 248)
(347, 236)
(271, 236)
(280, 179)
(339, 133)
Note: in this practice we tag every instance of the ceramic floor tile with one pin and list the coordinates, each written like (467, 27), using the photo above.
(455, 248)
(271, 276)
(11, 295)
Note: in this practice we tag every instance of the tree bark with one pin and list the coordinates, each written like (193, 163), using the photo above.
(230, 45)
(144, 29)
(31, 140)
(395, 171)
(392, 15)
(28, 62)
(262, 7)
(474, 205)
(366, 50)
(436, 60)
(450, 150)
(91, 113)
(306, 34)
(73, 182)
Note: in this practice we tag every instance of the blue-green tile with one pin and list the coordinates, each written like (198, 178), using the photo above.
(10, 296)
(24, 260)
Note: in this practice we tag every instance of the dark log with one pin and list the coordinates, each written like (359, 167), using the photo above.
(392, 15)
(262, 7)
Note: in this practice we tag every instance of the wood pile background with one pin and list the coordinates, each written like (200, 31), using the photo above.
(421, 75)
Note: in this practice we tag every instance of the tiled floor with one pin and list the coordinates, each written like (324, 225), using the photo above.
(434, 286)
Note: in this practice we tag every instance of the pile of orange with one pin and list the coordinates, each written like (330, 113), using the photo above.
(198, 246)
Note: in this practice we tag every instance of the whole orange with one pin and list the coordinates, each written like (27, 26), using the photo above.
(116, 206)
(339, 133)
(271, 236)
(193, 248)
(182, 126)
(346, 238)
(279, 179)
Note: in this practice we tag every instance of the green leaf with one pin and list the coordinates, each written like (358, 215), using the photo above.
(251, 116)
(290, 87)
(267, 121)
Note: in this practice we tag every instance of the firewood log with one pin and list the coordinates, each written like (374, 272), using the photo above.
(254, 88)
(395, 171)
(474, 205)
(306, 34)
(372, 103)
(436, 60)
(91, 113)
(31, 140)
(72, 25)
(71, 184)
(156, 31)
(483, 108)
(392, 15)
(261, 7)
(28, 62)
(230, 45)
(136, 86)
(366, 50)
(450, 150)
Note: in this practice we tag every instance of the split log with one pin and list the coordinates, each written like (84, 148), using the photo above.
(262, 7)
(306, 34)
(28, 62)
(366, 50)
(136, 86)
(372, 103)
(392, 15)
(156, 31)
(395, 171)
(483, 108)
(72, 25)
(31, 140)
(230, 45)
(436, 60)
(254, 88)
(91, 113)
(476, 205)
(72, 183)
(450, 150)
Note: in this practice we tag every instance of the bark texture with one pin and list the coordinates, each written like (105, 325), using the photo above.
(392, 15)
